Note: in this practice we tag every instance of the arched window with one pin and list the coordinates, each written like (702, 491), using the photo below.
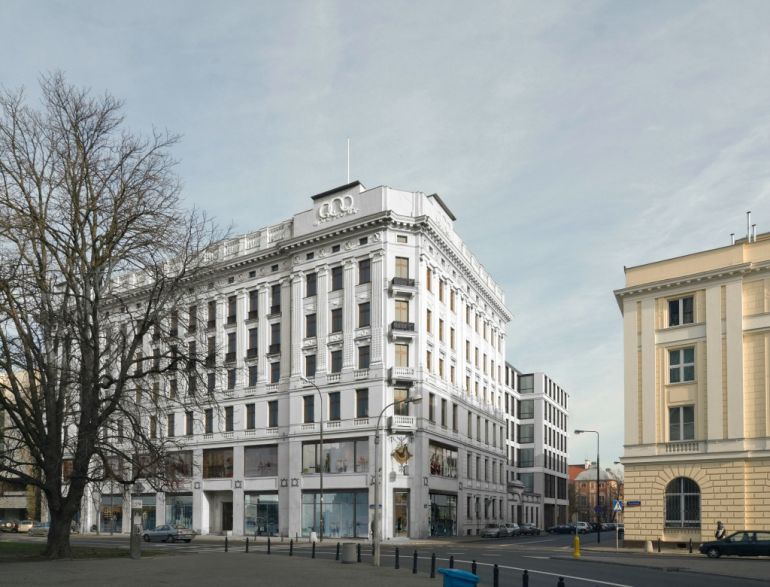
(682, 504)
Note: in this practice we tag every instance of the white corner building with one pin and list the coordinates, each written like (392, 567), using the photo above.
(372, 296)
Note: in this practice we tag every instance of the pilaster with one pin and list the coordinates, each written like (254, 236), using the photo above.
(262, 334)
(348, 314)
(322, 320)
(296, 324)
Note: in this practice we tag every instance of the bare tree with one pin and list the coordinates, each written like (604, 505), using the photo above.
(96, 255)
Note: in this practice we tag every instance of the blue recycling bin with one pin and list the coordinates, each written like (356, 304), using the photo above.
(458, 578)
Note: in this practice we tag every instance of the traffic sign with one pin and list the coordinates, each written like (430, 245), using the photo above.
(617, 505)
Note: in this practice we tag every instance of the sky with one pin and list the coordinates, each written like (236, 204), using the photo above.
(570, 139)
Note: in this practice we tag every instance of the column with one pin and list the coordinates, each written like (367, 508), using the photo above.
(648, 372)
(238, 501)
(377, 313)
(734, 343)
(322, 320)
(262, 303)
(713, 364)
(296, 324)
(349, 311)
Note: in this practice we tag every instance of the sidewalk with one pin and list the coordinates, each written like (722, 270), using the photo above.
(221, 569)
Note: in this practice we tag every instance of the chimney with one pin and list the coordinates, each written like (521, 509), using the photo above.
(748, 226)
(732, 238)
(753, 233)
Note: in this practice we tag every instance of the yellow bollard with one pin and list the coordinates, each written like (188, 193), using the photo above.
(576, 546)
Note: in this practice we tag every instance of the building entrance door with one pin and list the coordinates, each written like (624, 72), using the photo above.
(401, 512)
(227, 516)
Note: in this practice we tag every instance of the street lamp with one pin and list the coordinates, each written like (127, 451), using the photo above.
(376, 530)
(320, 456)
(598, 520)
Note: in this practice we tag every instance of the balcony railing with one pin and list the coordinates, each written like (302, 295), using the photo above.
(274, 348)
(332, 377)
(398, 423)
(231, 320)
(403, 281)
(402, 326)
(684, 446)
(275, 309)
(402, 374)
(230, 357)
(253, 314)
(251, 353)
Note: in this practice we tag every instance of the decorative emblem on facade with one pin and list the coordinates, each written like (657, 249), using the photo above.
(336, 208)
(401, 453)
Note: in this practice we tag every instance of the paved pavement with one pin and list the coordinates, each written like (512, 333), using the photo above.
(207, 568)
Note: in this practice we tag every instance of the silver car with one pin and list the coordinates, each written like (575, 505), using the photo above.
(491, 531)
(39, 529)
(510, 529)
(168, 533)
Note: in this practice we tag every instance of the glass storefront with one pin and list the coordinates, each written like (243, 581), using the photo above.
(346, 514)
(111, 519)
(148, 510)
(443, 514)
(179, 509)
(260, 515)
(401, 512)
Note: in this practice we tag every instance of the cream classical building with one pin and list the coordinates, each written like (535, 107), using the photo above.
(697, 373)
(366, 298)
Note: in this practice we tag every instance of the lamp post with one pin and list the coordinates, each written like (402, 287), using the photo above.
(320, 456)
(376, 529)
(598, 470)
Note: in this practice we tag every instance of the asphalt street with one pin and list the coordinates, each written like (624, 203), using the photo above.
(546, 558)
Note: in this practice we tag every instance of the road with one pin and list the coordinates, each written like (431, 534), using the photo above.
(546, 558)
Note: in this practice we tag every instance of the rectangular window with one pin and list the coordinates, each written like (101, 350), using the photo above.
(526, 409)
(440, 330)
(253, 342)
(337, 320)
(211, 382)
(311, 284)
(428, 361)
(452, 374)
(275, 372)
(681, 423)
(275, 335)
(275, 299)
(336, 361)
(364, 318)
(336, 278)
(444, 413)
(232, 302)
(443, 460)
(432, 407)
(231, 375)
(363, 357)
(402, 311)
(680, 311)
(400, 407)
(452, 338)
(188, 419)
(342, 456)
(441, 367)
(231, 344)
(364, 271)
(170, 425)
(212, 314)
(402, 267)
(260, 461)
(429, 279)
(192, 319)
(401, 238)
(310, 326)
(452, 300)
(251, 417)
(217, 463)
(681, 365)
(362, 403)
(208, 421)
(252, 375)
(429, 321)
(229, 418)
(272, 414)
(441, 290)
(402, 355)
(253, 304)
(469, 431)
(526, 433)
(153, 427)
(309, 365)
(334, 405)
(308, 409)
(455, 413)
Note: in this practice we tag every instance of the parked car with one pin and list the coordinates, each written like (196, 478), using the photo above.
(39, 529)
(9, 526)
(583, 527)
(510, 529)
(26, 525)
(561, 529)
(609, 526)
(743, 543)
(491, 531)
(168, 533)
(529, 530)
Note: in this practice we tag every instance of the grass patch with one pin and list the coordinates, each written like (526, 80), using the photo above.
(26, 551)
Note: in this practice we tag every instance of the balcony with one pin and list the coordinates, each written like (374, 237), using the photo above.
(333, 378)
(402, 330)
(403, 285)
(211, 324)
(274, 348)
(230, 357)
(251, 353)
(361, 374)
(253, 314)
(688, 446)
(275, 310)
(400, 424)
(402, 374)
(231, 320)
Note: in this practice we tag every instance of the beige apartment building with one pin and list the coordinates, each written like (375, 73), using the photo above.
(697, 373)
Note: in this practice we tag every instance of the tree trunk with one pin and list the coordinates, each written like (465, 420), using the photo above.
(58, 545)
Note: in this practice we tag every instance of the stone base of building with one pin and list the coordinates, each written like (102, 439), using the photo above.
(733, 491)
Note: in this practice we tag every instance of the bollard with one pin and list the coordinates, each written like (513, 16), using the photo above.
(358, 552)
(268, 545)
(525, 579)
(658, 544)
(433, 566)
(690, 545)
(561, 582)
(291, 547)
(414, 563)
(225, 543)
(473, 567)
(495, 576)
(576, 546)
(247, 544)
(312, 552)
(452, 562)
(337, 556)
(398, 566)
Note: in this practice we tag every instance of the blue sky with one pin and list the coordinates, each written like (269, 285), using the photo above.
(569, 138)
